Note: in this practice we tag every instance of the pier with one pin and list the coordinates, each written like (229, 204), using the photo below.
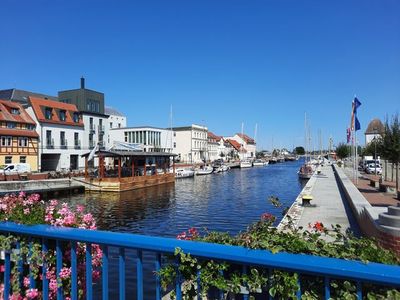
(328, 204)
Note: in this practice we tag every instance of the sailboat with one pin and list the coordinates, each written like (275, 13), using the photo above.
(306, 170)
(244, 162)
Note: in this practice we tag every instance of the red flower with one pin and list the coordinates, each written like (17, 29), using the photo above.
(318, 226)
(267, 217)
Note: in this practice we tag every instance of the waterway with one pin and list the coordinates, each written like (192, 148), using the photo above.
(227, 201)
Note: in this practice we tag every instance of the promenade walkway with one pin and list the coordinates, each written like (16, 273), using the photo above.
(329, 205)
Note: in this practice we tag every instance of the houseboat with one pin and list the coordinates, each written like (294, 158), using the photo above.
(119, 171)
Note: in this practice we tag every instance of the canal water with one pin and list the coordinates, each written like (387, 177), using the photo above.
(226, 202)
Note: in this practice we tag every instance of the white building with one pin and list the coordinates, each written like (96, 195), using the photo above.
(116, 119)
(213, 146)
(375, 129)
(61, 130)
(152, 139)
(247, 143)
(191, 143)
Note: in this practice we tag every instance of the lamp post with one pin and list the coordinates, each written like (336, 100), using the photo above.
(375, 133)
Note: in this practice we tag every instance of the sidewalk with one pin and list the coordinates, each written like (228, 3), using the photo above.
(372, 194)
(329, 204)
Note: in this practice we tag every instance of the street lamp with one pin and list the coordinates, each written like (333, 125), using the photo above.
(375, 133)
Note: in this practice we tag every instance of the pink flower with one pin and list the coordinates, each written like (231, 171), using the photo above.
(27, 211)
(53, 285)
(32, 293)
(267, 217)
(26, 282)
(65, 273)
(181, 236)
(80, 208)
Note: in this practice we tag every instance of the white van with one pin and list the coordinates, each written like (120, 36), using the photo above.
(16, 168)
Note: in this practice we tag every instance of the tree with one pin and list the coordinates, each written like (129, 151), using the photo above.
(391, 144)
(299, 150)
(342, 150)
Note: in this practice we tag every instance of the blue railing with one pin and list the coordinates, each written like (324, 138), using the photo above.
(327, 268)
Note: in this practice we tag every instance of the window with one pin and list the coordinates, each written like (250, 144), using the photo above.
(8, 160)
(126, 137)
(15, 111)
(174, 133)
(30, 126)
(48, 138)
(23, 142)
(76, 138)
(6, 140)
(63, 142)
(22, 159)
(110, 124)
(62, 115)
(174, 144)
(11, 125)
(76, 117)
(119, 125)
(48, 113)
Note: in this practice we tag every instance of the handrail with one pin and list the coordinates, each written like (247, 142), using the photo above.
(302, 263)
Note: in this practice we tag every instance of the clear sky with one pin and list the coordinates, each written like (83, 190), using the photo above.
(217, 62)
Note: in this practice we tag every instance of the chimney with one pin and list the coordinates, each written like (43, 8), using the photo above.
(82, 82)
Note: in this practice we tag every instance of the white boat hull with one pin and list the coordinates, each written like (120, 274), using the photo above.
(246, 164)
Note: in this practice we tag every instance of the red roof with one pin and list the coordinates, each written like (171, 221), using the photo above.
(18, 132)
(236, 145)
(213, 136)
(5, 113)
(246, 138)
(39, 105)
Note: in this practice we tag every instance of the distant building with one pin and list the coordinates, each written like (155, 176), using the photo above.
(18, 138)
(22, 96)
(191, 143)
(61, 131)
(116, 119)
(247, 143)
(236, 149)
(152, 139)
(90, 104)
(375, 129)
(213, 146)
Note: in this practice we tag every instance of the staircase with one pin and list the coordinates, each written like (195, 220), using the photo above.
(391, 218)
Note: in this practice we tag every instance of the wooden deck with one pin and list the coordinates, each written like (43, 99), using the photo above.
(126, 183)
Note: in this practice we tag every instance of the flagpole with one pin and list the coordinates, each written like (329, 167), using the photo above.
(355, 162)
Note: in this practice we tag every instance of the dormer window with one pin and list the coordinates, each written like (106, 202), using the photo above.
(76, 117)
(15, 111)
(30, 126)
(48, 113)
(62, 115)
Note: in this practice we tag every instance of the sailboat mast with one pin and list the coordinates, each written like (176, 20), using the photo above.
(255, 136)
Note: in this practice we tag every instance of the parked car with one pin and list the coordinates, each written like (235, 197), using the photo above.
(16, 168)
(371, 169)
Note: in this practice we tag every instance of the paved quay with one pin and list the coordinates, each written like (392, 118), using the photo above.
(329, 204)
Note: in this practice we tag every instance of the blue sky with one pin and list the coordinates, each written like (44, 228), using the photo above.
(218, 63)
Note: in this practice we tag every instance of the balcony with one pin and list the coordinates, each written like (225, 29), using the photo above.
(77, 144)
(101, 129)
(92, 128)
(63, 144)
(50, 143)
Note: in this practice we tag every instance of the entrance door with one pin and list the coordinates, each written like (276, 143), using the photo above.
(74, 162)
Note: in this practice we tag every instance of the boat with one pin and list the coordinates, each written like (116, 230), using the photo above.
(184, 173)
(204, 170)
(246, 163)
(273, 160)
(306, 171)
(259, 163)
(224, 168)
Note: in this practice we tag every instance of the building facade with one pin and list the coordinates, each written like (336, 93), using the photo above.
(90, 105)
(191, 143)
(18, 136)
(152, 139)
(247, 143)
(213, 146)
(60, 129)
(375, 129)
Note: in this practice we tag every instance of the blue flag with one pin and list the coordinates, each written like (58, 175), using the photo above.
(357, 104)
(357, 124)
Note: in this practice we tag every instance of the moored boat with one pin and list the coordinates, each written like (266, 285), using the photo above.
(306, 171)
(184, 173)
(259, 163)
(204, 170)
(246, 163)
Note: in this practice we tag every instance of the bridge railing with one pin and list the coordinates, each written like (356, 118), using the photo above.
(327, 268)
